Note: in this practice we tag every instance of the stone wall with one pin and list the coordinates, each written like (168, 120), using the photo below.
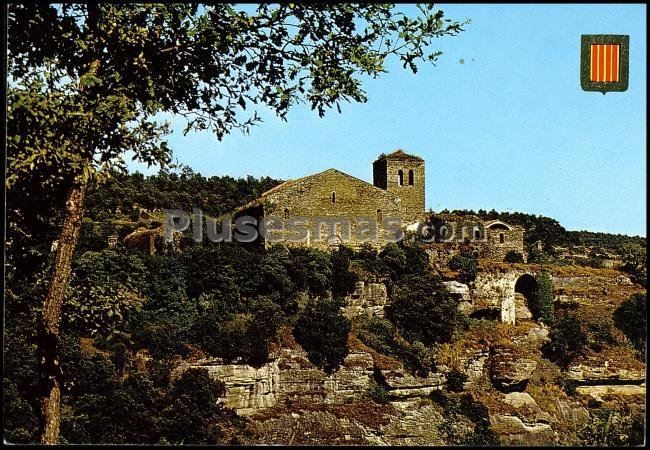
(368, 298)
(469, 235)
(338, 209)
(388, 170)
(489, 289)
(502, 240)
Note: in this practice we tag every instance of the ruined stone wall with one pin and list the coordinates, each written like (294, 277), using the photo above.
(472, 236)
(500, 241)
(328, 197)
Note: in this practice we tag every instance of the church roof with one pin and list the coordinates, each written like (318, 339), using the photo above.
(287, 184)
(399, 155)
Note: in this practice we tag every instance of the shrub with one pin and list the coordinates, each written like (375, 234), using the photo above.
(610, 428)
(475, 411)
(378, 334)
(631, 319)
(591, 261)
(322, 331)
(381, 335)
(422, 309)
(343, 281)
(542, 301)
(601, 333)
(378, 394)
(418, 358)
(161, 333)
(567, 341)
(191, 412)
(635, 263)
(455, 380)
(311, 270)
(231, 334)
(106, 288)
(466, 265)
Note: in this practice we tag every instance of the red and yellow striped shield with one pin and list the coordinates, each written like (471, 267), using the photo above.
(604, 62)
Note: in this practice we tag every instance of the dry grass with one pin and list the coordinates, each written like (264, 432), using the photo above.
(87, 347)
(285, 339)
(555, 269)
(482, 335)
(380, 361)
(363, 411)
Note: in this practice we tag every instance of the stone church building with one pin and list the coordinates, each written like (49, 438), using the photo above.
(331, 208)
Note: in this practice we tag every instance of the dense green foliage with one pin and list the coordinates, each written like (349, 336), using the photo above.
(542, 305)
(423, 311)
(183, 189)
(323, 332)
(465, 265)
(567, 340)
(631, 318)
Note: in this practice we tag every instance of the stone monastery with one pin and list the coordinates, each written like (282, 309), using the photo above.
(334, 208)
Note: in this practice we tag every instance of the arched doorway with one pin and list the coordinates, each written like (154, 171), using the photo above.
(525, 292)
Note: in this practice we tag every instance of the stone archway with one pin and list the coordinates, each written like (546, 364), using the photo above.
(525, 291)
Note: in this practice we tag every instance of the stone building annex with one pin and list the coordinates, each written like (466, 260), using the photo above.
(337, 208)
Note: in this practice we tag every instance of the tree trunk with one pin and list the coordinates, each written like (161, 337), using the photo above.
(51, 315)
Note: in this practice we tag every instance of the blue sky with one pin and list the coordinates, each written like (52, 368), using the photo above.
(509, 128)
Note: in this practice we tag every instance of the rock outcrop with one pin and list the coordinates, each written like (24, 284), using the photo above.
(462, 292)
(401, 384)
(368, 298)
(508, 372)
(584, 374)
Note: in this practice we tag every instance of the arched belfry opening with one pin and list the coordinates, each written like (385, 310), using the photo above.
(525, 292)
(400, 177)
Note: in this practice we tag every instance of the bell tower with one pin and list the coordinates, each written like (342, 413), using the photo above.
(402, 174)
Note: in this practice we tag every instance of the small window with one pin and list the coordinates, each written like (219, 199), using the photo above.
(286, 213)
(477, 234)
(333, 197)
(400, 178)
(410, 177)
(502, 238)
(380, 217)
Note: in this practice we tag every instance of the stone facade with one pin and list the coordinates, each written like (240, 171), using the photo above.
(449, 234)
(403, 175)
(502, 239)
(332, 208)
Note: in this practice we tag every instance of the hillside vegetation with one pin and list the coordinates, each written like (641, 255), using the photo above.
(129, 317)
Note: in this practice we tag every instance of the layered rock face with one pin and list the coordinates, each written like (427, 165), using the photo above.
(248, 389)
(509, 373)
(292, 401)
(290, 376)
(368, 298)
